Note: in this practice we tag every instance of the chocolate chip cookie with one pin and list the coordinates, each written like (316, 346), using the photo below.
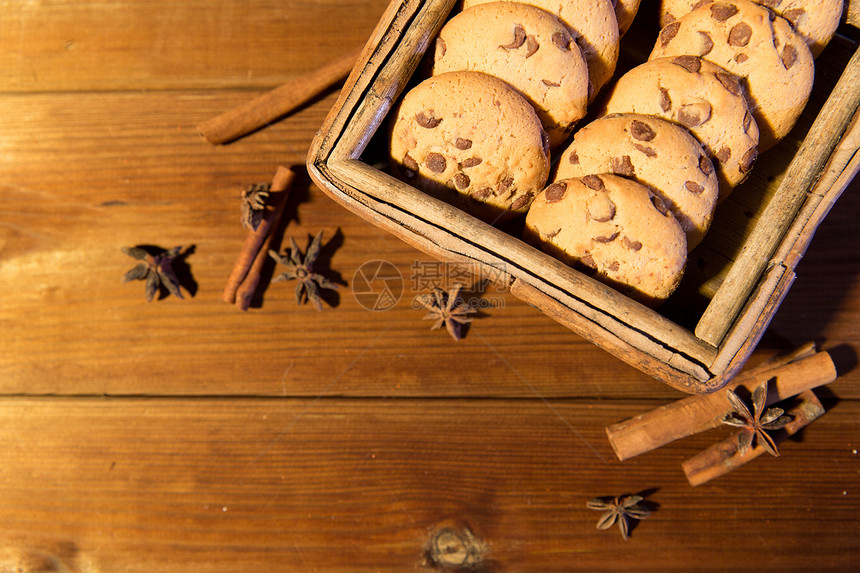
(756, 45)
(815, 20)
(661, 155)
(614, 229)
(472, 140)
(701, 96)
(594, 27)
(528, 48)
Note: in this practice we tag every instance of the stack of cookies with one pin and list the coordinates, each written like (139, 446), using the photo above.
(635, 190)
(509, 83)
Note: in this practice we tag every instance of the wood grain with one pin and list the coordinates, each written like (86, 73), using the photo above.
(84, 45)
(185, 435)
(343, 485)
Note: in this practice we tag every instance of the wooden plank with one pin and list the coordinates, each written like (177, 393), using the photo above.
(137, 172)
(216, 485)
(161, 44)
(85, 174)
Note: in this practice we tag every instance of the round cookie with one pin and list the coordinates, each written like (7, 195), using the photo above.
(613, 228)
(625, 12)
(528, 48)
(753, 43)
(702, 97)
(594, 27)
(815, 20)
(660, 154)
(470, 139)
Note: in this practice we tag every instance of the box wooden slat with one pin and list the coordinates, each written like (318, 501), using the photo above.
(340, 162)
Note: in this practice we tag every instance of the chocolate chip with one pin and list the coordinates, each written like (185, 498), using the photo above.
(659, 205)
(550, 84)
(631, 244)
(724, 154)
(705, 165)
(461, 181)
(740, 34)
(441, 47)
(694, 114)
(463, 144)
(436, 162)
(722, 11)
(694, 187)
(748, 119)
(519, 38)
(748, 160)
(427, 119)
(593, 182)
(482, 193)
(789, 56)
(505, 184)
(648, 151)
(769, 3)
(793, 15)
(690, 63)
(729, 82)
(665, 101)
(622, 166)
(410, 163)
(555, 192)
(740, 57)
(562, 41)
(472, 161)
(522, 201)
(669, 32)
(607, 238)
(588, 261)
(613, 266)
(707, 43)
(641, 131)
(531, 46)
(574, 158)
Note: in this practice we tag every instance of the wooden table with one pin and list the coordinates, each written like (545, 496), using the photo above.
(186, 435)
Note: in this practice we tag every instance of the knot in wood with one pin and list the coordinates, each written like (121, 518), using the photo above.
(455, 549)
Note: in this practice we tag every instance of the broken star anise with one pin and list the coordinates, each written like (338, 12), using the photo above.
(156, 270)
(301, 268)
(754, 424)
(619, 510)
(448, 309)
(254, 204)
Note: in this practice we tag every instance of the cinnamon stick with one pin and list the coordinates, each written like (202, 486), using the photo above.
(701, 412)
(723, 457)
(243, 269)
(265, 109)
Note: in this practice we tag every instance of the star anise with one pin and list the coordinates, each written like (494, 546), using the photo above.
(301, 268)
(254, 200)
(156, 270)
(448, 309)
(619, 510)
(754, 424)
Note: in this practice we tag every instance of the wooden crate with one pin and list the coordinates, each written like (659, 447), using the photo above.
(735, 280)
